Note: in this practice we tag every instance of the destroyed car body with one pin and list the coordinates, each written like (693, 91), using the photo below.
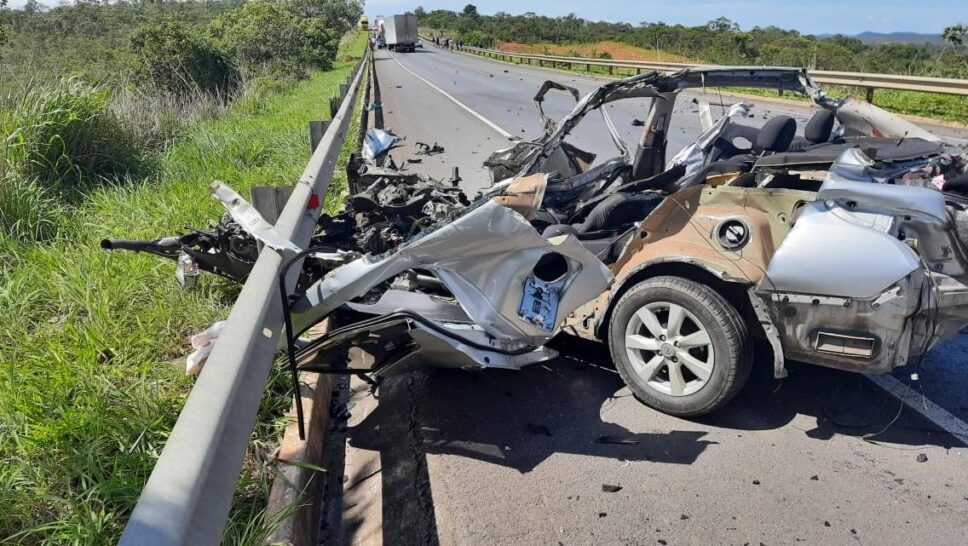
(845, 247)
(853, 257)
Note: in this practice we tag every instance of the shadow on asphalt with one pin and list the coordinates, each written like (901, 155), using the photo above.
(520, 419)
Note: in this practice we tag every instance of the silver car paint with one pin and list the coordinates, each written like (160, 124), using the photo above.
(484, 259)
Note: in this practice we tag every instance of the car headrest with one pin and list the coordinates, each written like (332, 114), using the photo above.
(776, 135)
(819, 127)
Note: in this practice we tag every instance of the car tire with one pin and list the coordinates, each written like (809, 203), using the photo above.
(679, 346)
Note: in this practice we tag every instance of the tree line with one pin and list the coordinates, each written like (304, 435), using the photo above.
(175, 46)
(721, 41)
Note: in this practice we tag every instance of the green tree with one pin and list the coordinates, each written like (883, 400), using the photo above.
(476, 38)
(470, 10)
(420, 11)
(263, 36)
(956, 35)
(341, 15)
(176, 59)
(722, 24)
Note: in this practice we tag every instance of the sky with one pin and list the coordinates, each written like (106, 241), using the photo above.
(807, 16)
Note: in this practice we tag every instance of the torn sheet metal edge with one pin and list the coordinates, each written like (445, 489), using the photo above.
(376, 142)
(434, 345)
(850, 179)
(862, 118)
(249, 218)
(477, 257)
(693, 156)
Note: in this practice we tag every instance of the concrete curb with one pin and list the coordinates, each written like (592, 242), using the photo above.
(299, 486)
(295, 483)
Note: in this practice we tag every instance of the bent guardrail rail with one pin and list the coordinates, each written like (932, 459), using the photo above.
(189, 493)
(870, 82)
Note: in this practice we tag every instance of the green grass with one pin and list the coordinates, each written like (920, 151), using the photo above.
(930, 105)
(92, 343)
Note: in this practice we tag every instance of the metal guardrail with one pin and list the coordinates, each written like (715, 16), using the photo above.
(189, 493)
(870, 82)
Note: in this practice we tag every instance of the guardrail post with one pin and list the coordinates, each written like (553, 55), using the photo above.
(316, 131)
(870, 95)
(638, 70)
(610, 68)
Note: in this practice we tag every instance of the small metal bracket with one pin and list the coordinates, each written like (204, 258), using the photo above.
(772, 334)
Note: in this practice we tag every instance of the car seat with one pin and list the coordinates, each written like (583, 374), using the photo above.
(775, 136)
(817, 130)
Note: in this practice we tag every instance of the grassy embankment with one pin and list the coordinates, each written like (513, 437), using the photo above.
(930, 105)
(92, 343)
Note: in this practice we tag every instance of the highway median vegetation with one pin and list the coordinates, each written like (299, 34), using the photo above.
(92, 343)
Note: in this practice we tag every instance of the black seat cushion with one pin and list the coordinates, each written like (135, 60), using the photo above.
(776, 135)
(618, 210)
(820, 126)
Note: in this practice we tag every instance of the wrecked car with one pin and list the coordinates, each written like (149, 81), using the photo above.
(845, 247)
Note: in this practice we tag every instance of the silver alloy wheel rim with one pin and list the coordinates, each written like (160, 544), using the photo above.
(675, 358)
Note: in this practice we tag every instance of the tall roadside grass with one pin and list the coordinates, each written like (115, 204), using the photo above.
(62, 139)
(92, 343)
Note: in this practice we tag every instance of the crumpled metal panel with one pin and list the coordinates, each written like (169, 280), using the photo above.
(862, 118)
(376, 142)
(485, 259)
(249, 219)
(836, 252)
(850, 179)
(694, 155)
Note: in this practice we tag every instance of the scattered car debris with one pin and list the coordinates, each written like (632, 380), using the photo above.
(638, 123)
(246, 216)
(427, 149)
(922, 458)
(202, 342)
(606, 488)
(376, 142)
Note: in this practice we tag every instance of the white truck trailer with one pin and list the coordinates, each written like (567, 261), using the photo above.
(400, 32)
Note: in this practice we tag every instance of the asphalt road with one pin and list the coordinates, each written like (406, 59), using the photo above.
(499, 457)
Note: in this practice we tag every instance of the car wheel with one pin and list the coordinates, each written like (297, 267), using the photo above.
(679, 346)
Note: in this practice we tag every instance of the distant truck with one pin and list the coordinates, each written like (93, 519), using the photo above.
(400, 32)
(364, 23)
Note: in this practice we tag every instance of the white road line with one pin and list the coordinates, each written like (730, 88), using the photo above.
(926, 408)
(483, 119)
